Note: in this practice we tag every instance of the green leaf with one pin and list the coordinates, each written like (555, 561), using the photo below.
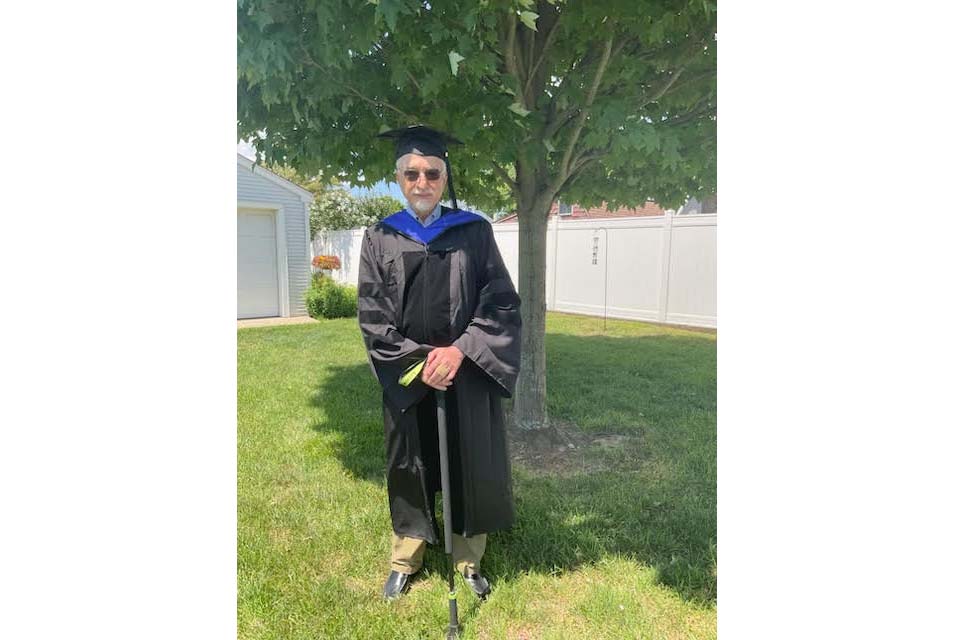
(549, 146)
(411, 373)
(518, 109)
(455, 60)
(470, 22)
(529, 18)
(389, 9)
(526, 4)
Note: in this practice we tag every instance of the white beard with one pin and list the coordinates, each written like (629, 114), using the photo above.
(421, 206)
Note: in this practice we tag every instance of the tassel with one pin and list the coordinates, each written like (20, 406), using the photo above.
(453, 194)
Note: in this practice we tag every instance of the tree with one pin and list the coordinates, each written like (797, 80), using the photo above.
(336, 208)
(333, 206)
(608, 100)
(315, 184)
(375, 208)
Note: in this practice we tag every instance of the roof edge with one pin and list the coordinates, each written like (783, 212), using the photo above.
(247, 163)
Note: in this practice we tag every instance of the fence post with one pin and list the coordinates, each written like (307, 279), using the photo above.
(665, 265)
(552, 298)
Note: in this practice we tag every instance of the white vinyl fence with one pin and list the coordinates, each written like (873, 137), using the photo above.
(657, 268)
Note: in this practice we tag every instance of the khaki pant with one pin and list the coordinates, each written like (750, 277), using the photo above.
(406, 555)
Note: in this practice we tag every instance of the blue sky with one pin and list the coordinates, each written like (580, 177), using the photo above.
(382, 188)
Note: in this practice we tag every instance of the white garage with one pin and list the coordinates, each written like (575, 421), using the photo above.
(273, 243)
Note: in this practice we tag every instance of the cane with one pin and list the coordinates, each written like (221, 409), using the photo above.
(453, 629)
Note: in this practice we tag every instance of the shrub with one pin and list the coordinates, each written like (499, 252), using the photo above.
(313, 297)
(339, 301)
(327, 299)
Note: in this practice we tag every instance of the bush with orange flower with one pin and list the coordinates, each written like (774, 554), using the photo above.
(325, 298)
(326, 263)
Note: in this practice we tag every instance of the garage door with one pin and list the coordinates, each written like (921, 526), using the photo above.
(257, 287)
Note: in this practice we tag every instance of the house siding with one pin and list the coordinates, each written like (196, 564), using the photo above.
(254, 188)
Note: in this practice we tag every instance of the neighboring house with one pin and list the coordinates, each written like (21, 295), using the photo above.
(576, 212)
(273, 246)
(691, 206)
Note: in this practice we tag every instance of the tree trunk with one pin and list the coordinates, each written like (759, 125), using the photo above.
(530, 400)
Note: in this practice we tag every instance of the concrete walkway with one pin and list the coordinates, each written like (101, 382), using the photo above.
(272, 322)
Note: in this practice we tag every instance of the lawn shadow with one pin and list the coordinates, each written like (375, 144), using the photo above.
(350, 398)
(654, 501)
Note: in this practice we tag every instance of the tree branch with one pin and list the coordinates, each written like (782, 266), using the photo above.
(414, 81)
(578, 65)
(531, 38)
(510, 57)
(663, 89)
(543, 52)
(703, 108)
(308, 59)
(584, 158)
(696, 48)
(514, 187)
(690, 79)
(635, 55)
(557, 123)
(574, 175)
(568, 154)
(620, 45)
(379, 103)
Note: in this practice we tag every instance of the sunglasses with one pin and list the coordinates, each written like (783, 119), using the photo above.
(412, 175)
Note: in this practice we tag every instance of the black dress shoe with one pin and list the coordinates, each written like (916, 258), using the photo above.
(478, 584)
(396, 585)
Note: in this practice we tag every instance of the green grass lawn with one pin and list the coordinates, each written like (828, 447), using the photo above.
(615, 538)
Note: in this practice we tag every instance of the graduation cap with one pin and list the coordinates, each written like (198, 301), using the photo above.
(424, 141)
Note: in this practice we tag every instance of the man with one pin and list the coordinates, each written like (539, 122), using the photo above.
(433, 285)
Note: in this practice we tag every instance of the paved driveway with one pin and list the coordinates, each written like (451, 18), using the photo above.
(272, 322)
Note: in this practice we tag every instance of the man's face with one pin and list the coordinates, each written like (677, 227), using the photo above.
(422, 193)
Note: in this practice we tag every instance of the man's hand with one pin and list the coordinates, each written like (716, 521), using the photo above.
(441, 367)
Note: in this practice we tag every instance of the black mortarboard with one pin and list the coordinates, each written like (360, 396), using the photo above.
(420, 140)
(424, 141)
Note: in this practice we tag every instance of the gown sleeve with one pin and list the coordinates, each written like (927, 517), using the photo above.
(388, 351)
(492, 339)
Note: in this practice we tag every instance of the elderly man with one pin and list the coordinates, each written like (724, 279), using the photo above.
(433, 286)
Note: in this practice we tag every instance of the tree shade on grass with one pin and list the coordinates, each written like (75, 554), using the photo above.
(586, 101)
(622, 548)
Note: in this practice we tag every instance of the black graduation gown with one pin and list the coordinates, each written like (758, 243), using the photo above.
(417, 292)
